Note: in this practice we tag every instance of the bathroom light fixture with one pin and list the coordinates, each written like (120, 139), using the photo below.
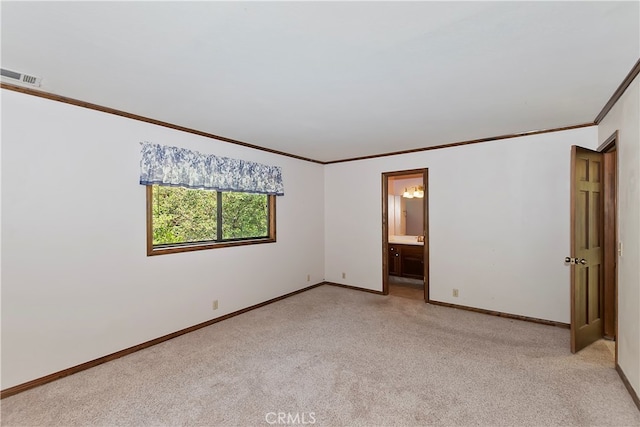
(411, 192)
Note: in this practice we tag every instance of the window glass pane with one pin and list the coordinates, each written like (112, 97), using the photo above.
(182, 215)
(244, 215)
(185, 219)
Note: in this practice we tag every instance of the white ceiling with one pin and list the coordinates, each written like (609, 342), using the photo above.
(332, 80)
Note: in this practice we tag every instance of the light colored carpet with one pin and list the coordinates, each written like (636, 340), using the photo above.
(344, 358)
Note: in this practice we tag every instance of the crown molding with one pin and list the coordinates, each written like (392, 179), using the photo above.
(614, 98)
(635, 70)
(458, 144)
(108, 110)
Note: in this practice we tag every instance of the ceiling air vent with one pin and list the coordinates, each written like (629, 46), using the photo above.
(15, 77)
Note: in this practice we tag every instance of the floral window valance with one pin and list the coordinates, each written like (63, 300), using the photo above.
(174, 166)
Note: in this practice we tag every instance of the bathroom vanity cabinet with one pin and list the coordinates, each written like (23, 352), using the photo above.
(406, 260)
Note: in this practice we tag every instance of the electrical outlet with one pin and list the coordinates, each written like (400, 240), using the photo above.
(455, 293)
(344, 275)
(215, 304)
(308, 277)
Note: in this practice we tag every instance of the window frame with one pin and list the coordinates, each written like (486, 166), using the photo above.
(208, 244)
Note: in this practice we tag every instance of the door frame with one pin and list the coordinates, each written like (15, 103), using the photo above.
(385, 227)
(610, 219)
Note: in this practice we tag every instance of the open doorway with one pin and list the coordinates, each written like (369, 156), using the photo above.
(405, 237)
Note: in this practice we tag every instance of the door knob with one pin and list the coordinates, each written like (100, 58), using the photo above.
(568, 260)
(582, 261)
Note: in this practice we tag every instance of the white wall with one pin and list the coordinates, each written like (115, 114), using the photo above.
(625, 117)
(499, 222)
(76, 281)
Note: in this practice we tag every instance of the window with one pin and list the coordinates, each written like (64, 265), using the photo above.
(181, 219)
(201, 201)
